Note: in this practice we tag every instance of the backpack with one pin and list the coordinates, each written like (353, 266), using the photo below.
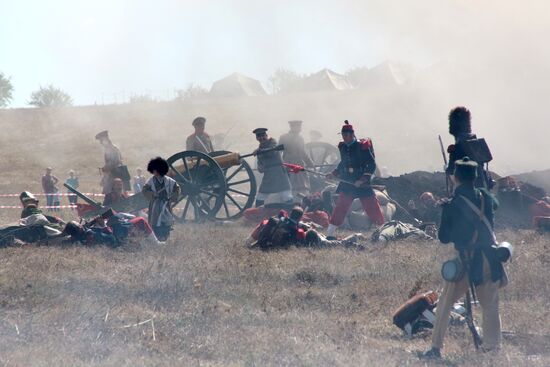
(275, 233)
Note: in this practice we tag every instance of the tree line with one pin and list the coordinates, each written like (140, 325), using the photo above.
(281, 81)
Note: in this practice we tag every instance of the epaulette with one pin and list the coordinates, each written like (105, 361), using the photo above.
(451, 148)
(341, 144)
(366, 144)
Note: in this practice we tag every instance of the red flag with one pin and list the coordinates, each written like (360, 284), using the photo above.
(293, 168)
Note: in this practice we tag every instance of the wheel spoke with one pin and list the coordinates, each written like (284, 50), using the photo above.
(234, 173)
(234, 202)
(187, 169)
(178, 173)
(238, 192)
(186, 208)
(197, 164)
(204, 205)
(209, 193)
(238, 182)
(226, 209)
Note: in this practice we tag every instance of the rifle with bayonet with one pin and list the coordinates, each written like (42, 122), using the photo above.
(470, 296)
(445, 165)
(132, 203)
(296, 168)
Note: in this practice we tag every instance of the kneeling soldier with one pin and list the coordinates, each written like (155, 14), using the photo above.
(467, 221)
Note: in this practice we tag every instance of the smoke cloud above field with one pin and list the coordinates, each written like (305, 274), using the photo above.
(90, 48)
(489, 55)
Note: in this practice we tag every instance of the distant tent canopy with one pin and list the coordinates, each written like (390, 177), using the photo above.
(384, 74)
(323, 80)
(237, 85)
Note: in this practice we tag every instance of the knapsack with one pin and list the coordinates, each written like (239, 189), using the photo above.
(275, 233)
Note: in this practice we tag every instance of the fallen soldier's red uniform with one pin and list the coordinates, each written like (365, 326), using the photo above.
(255, 215)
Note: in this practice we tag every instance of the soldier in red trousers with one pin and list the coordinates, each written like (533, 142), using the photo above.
(356, 167)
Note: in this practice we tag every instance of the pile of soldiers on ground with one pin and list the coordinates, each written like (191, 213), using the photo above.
(109, 228)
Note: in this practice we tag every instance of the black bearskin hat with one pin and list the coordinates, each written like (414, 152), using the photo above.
(158, 164)
(460, 121)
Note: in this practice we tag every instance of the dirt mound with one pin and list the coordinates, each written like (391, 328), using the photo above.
(537, 178)
(411, 185)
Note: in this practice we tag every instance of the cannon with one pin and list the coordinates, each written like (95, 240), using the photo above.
(216, 186)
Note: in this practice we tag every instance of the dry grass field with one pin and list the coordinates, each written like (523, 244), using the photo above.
(203, 299)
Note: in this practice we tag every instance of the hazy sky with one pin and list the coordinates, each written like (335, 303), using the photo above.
(90, 48)
(101, 47)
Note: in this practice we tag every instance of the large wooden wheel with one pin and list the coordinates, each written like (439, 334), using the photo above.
(241, 189)
(325, 157)
(202, 184)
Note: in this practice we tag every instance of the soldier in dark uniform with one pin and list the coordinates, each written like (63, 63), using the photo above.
(356, 168)
(460, 127)
(275, 180)
(199, 141)
(474, 240)
(113, 160)
(295, 153)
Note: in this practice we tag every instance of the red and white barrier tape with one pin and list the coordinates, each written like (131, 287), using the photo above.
(42, 207)
(54, 194)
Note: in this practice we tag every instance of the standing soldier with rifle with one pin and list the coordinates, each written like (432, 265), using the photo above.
(113, 167)
(467, 144)
(295, 153)
(467, 221)
(275, 180)
(356, 167)
(199, 141)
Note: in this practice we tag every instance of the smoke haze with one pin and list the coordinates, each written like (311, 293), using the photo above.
(488, 55)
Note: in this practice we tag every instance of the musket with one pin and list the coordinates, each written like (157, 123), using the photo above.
(447, 181)
(470, 295)
(295, 168)
(93, 203)
(277, 148)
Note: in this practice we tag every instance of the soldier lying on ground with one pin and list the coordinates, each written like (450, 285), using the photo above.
(314, 211)
(284, 230)
(111, 229)
(30, 207)
(31, 229)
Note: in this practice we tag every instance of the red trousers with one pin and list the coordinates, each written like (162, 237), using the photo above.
(370, 205)
(141, 225)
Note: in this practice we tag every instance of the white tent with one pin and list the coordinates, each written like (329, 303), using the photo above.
(237, 85)
(386, 74)
(324, 80)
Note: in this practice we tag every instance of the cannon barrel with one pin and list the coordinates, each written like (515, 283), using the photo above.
(225, 160)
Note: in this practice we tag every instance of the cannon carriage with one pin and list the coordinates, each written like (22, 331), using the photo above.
(216, 186)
